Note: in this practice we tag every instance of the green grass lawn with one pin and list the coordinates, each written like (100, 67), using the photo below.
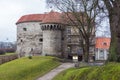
(109, 71)
(7, 54)
(27, 69)
(10, 53)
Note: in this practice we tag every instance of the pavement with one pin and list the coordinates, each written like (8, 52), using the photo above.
(50, 75)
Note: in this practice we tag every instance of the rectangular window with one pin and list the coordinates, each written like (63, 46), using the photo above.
(101, 55)
(68, 30)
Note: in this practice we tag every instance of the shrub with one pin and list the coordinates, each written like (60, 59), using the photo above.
(30, 57)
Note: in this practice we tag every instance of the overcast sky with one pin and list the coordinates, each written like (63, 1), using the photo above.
(12, 10)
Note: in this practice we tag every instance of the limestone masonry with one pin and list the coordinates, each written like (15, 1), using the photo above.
(48, 34)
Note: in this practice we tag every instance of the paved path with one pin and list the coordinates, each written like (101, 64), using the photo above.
(54, 72)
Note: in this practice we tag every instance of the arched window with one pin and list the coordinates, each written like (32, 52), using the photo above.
(47, 26)
(51, 27)
(54, 26)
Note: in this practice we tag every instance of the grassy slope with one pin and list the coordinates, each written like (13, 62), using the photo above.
(110, 71)
(27, 69)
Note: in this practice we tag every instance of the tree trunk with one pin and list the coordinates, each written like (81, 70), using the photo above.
(86, 51)
(113, 45)
(114, 17)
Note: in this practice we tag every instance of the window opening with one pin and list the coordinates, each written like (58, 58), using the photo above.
(25, 29)
(41, 40)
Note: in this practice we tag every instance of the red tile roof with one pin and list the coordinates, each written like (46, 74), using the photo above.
(31, 17)
(51, 17)
(102, 43)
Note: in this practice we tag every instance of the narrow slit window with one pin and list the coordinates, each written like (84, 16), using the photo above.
(24, 29)
(21, 40)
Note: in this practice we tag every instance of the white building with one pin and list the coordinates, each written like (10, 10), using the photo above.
(102, 47)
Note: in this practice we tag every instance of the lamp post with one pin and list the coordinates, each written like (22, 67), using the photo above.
(75, 60)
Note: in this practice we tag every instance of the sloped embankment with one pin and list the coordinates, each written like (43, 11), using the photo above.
(27, 69)
(109, 71)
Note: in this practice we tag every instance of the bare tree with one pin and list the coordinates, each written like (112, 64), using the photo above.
(81, 14)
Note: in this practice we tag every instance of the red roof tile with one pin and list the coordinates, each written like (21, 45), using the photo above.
(31, 17)
(102, 43)
(53, 17)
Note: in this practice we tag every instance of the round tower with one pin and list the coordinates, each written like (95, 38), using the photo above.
(29, 35)
(52, 39)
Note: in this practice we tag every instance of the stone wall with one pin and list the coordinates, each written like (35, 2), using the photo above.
(7, 58)
(36, 38)
(29, 38)
(52, 42)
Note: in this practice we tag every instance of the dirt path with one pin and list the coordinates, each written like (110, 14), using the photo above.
(54, 72)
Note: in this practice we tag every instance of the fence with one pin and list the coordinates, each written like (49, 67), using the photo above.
(7, 58)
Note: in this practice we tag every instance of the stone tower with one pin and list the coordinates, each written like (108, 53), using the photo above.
(40, 34)
(52, 35)
(29, 35)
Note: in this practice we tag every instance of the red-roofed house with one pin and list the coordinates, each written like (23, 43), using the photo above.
(102, 46)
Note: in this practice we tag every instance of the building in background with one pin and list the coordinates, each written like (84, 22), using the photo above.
(49, 34)
(9, 47)
(102, 48)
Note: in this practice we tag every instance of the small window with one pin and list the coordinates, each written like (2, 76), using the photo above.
(21, 40)
(41, 40)
(105, 44)
(68, 48)
(101, 51)
(62, 38)
(69, 31)
(31, 49)
(69, 40)
(24, 29)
